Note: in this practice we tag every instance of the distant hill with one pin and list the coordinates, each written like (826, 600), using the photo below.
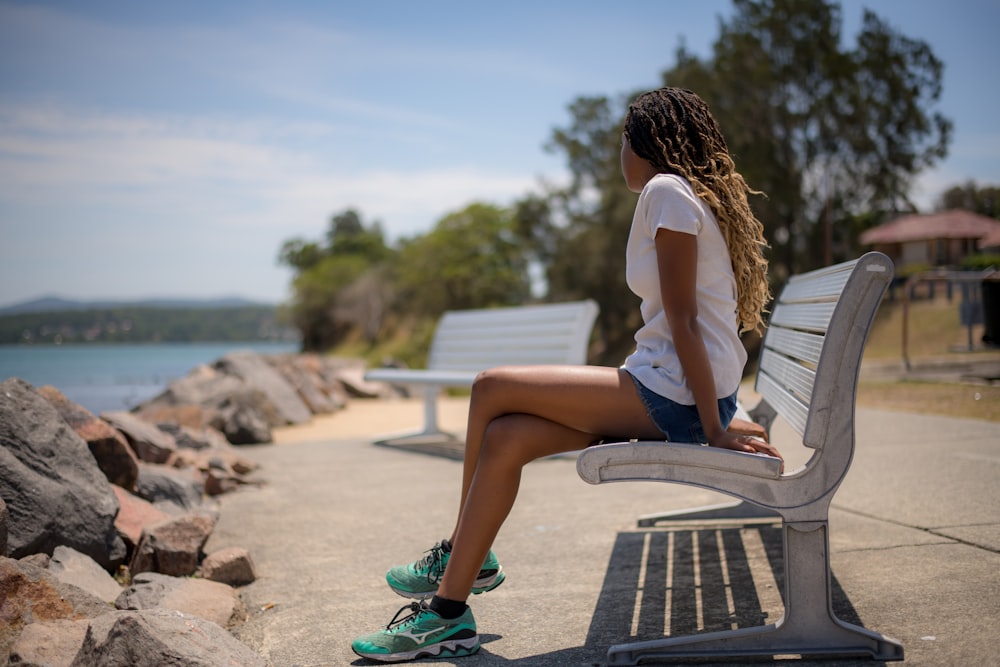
(55, 304)
(61, 321)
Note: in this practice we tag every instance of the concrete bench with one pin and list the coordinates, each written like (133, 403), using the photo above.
(807, 375)
(469, 341)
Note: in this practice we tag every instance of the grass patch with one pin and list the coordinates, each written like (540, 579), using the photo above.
(971, 401)
(934, 330)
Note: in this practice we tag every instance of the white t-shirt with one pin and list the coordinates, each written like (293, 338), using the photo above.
(669, 202)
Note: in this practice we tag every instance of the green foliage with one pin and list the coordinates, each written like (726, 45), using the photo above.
(983, 200)
(336, 285)
(980, 262)
(471, 259)
(827, 133)
(133, 324)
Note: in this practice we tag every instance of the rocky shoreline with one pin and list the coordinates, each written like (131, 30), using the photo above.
(104, 518)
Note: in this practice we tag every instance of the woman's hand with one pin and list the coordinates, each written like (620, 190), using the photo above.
(745, 443)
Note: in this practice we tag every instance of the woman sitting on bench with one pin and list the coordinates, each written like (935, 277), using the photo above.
(694, 257)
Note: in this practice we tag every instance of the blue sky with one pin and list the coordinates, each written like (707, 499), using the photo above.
(168, 149)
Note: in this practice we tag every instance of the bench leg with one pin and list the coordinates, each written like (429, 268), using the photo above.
(807, 628)
(431, 431)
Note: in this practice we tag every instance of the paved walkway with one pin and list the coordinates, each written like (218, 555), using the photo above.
(915, 540)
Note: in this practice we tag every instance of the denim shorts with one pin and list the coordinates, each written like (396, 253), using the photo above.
(680, 423)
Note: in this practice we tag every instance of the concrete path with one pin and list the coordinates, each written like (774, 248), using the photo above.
(915, 540)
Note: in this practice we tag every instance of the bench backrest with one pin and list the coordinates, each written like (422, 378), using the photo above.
(473, 340)
(811, 353)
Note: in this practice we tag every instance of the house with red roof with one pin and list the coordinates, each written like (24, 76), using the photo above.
(944, 238)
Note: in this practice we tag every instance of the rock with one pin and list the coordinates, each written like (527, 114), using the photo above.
(231, 565)
(3, 528)
(49, 643)
(160, 411)
(161, 483)
(135, 514)
(210, 600)
(303, 375)
(173, 546)
(242, 424)
(72, 567)
(54, 490)
(256, 372)
(353, 379)
(194, 438)
(148, 442)
(157, 637)
(31, 594)
(111, 450)
(210, 396)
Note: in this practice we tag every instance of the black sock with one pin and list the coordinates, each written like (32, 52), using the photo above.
(446, 608)
(446, 546)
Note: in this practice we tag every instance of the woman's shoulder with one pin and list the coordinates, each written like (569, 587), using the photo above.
(668, 183)
(670, 192)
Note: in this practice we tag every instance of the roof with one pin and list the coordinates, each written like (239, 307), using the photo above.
(952, 224)
(991, 240)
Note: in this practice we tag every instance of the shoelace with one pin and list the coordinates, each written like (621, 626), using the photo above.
(414, 607)
(433, 561)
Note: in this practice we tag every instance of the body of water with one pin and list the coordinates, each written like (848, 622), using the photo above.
(116, 377)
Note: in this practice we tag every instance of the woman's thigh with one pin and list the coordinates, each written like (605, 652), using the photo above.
(596, 400)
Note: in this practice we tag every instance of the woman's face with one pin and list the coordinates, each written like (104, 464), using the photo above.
(635, 170)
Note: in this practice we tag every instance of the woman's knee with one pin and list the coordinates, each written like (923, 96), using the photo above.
(507, 440)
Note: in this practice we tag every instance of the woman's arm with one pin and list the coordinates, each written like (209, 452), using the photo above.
(677, 261)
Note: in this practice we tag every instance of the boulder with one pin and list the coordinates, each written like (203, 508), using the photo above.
(353, 380)
(135, 514)
(54, 490)
(49, 643)
(210, 600)
(242, 424)
(231, 565)
(148, 442)
(30, 594)
(3, 528)
(112, 452)
(157, 637)
(160, 483)
(173, 546)
(72, 567)
(302, 373)
(256, 372)
(188, 437)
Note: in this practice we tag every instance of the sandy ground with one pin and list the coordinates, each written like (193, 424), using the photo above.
(371, 418)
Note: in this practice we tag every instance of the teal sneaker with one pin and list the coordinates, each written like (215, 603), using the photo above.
(420, 579)
(422, 634)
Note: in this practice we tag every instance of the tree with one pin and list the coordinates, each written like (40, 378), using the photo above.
(338, 287)
(589, 221)
(471, 259)
(828, 134)
(983, 200)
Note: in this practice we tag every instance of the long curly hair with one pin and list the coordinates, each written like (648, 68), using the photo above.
(673, 129)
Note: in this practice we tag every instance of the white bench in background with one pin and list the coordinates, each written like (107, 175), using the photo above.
(808, 374)
(469, 341)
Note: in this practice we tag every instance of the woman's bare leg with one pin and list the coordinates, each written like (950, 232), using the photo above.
(519, 414)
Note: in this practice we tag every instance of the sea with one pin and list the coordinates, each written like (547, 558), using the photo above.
(108, 377)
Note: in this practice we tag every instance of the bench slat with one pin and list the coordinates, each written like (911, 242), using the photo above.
(795, 344)
(819, 284)
(809, 316)
(793, 410)
(793, 376)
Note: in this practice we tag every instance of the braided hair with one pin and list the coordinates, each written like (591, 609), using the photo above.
(672, 129)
